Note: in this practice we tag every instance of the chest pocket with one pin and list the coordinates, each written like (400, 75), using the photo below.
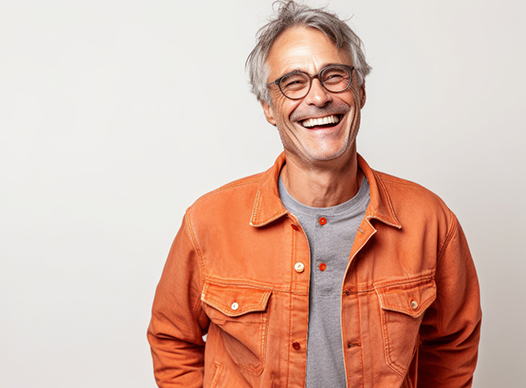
(241, 314)
(402, 307)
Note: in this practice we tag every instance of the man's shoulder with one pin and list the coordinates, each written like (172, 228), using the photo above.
(399, 186)
(397, 180)
(411, 199)
(236, 203)
(395, 190)
(234, 195)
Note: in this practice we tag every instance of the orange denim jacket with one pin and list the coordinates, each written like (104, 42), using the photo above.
(410, 297)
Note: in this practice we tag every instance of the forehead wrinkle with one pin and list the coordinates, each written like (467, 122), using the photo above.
(294, 50)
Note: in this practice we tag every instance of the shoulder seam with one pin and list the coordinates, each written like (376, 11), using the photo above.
(195, 244)
(453, 227)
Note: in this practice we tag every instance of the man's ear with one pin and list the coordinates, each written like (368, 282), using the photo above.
(363, 95)
(269, 115)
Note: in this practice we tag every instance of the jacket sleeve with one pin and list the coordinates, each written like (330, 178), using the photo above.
(450, 329)
(178, 323)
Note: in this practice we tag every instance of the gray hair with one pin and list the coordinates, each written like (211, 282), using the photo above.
(290, 14)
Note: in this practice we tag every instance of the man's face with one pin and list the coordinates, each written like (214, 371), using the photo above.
(307, 141)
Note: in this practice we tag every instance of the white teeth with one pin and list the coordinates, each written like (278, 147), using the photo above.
(321, 121)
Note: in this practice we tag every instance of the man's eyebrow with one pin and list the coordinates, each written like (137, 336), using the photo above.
(321, 68)
(293, 70)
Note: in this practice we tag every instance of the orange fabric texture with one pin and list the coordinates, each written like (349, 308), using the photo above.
(410, 297)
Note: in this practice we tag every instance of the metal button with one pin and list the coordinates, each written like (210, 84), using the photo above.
(299, 267)
(414, 305)
(234, 306)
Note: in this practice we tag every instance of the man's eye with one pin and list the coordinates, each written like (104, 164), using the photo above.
(333, 78)
(293, 83)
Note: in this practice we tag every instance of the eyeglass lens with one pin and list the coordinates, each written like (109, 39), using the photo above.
(297, 84)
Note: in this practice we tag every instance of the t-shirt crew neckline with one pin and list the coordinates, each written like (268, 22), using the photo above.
(353, 205)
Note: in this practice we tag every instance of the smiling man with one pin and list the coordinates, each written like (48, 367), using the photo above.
(321, 271)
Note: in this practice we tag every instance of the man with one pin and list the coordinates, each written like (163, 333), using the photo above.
(320, 272)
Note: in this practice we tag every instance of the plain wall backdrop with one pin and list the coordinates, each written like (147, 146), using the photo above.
(116, 115)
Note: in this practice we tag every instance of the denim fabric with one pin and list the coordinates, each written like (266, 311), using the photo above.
(239, 270)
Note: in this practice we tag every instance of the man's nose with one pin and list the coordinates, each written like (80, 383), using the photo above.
(318, 95)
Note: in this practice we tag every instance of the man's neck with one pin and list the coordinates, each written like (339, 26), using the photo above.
(322, 186)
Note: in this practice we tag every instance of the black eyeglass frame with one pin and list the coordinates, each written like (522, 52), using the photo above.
(311, 77)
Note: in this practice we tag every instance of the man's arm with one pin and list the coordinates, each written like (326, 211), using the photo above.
(178, 323)
(450, 330)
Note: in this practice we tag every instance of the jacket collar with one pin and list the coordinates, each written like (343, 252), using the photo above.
(268, 207)
(380, 207)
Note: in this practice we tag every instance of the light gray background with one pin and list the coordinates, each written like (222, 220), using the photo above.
(116, 115)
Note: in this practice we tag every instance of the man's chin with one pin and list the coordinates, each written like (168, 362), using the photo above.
(328, 155)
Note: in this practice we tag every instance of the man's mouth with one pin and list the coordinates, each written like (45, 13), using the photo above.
(324, 122)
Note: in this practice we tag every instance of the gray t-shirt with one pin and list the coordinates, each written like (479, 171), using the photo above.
(330, 232)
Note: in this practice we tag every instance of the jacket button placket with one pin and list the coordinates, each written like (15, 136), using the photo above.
(351, 306)
(299, 306)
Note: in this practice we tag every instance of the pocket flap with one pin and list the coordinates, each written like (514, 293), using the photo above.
(234, 301)
(412, 298)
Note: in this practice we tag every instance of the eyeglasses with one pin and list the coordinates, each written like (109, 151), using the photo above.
(296, 84)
